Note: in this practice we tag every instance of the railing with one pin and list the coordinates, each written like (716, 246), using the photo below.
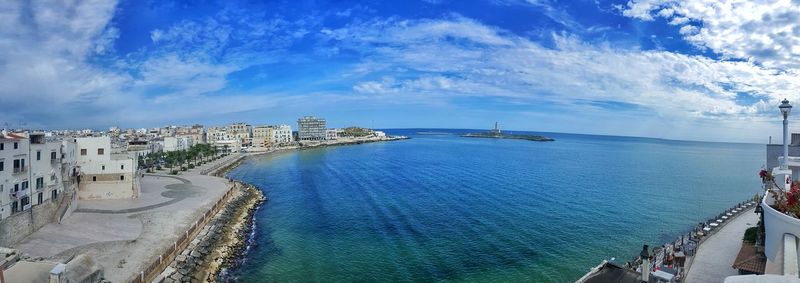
(19, 170)
(160, 264)
(54, 161)
(690, 242)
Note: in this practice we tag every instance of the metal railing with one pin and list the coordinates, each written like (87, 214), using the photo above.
(151, 271)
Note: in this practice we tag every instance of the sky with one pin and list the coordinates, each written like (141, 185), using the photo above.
(694, 69)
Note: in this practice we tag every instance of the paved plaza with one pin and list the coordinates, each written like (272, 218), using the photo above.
(124, 236)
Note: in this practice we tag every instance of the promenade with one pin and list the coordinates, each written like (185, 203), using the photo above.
(124, 236)
(714, 259)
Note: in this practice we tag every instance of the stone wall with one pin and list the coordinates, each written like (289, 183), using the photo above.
(18, 226)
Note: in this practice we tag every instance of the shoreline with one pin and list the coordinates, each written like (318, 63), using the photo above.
(222, 242)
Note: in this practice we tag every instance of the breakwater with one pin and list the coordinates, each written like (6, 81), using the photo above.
(219, 242)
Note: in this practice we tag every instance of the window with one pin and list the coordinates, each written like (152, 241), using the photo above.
(16, 164)
(38, 155)
(83, 151)
(122, 167)
(104, 167)
(1, 166)
(16, 145)
(94, 178)
(25, 185)
(39, 183)
(40, 198)
(53, 155)
(122, 177)
(2, 145)
(16, 188)
(100, 151)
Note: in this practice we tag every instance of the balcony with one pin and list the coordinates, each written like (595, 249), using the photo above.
(55, 161)
(20, 170)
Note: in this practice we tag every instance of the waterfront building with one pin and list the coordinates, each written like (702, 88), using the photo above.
(331, 134)
(282, 134)
(220, 138)
(262, 137)
(103, 173)
(310, 128)
(241, 131)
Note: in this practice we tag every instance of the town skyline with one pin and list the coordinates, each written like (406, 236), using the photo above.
(661, 69)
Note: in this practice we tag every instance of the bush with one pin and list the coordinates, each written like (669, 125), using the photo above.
(174, 172)
(750, 235)
(158, 167)
(191, 166)
(183, 168)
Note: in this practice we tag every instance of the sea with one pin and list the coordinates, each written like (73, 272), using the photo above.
(441, 207)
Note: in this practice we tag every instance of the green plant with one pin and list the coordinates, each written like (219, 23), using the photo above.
(174, 172)
(191, 166)
(750, 235)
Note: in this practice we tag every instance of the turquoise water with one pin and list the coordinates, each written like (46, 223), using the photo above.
(446, 208)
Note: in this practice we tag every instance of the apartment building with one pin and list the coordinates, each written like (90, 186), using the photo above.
(34, 169)
(241, 131)
(310, 128)
(262, 137)
(282, 134)
(331, 134)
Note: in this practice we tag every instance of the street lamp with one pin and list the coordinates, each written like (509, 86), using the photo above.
(645, 267)
(785, 109)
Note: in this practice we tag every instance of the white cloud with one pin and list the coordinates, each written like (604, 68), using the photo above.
(766, 31)
(670, 85)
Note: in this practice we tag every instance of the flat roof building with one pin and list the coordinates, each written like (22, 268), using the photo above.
(310, 128)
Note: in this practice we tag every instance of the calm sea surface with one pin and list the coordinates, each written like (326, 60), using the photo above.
(447, 208)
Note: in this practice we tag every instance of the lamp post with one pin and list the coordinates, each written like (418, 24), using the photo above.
(645, 267)
(785, 109)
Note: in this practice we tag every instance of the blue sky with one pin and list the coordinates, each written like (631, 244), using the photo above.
(694, 69)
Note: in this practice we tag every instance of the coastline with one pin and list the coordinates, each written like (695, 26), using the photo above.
(222, 241)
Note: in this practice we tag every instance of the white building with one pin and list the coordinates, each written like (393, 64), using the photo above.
(105, 175)
(282, 134)
(14, 174)
(32, 171)
(176, 143)
(331, 134)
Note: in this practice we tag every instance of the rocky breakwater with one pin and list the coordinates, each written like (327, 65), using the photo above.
(220, 242)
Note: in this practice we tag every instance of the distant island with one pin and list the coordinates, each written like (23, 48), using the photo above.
(496, 134)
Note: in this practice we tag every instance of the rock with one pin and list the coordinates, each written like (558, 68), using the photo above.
(186, 279)
(194, 253)
(180, 258)
(183, 271)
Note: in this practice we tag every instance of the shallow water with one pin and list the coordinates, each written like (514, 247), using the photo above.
(443, 207)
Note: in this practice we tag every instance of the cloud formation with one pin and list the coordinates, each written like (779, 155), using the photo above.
(763, 31)
(73, 64)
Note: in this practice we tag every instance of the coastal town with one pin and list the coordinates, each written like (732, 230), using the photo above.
(136, 205)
